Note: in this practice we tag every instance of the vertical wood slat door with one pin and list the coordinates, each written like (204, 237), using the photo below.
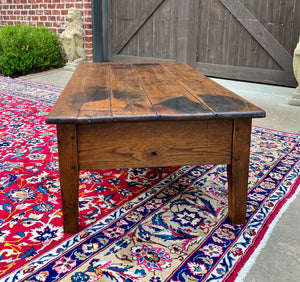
(238, 39)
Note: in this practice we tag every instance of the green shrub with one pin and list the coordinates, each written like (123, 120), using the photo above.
(27, 49)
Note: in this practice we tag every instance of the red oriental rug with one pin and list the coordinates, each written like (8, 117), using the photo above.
(142, 224)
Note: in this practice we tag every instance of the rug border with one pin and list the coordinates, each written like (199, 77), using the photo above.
(27, 81)
(276, 130)
(248, 261)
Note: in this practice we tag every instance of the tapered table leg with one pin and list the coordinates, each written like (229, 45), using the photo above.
(69, 175)
(238, 171)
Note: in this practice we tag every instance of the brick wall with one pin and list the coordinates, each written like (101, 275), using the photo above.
(50, 13)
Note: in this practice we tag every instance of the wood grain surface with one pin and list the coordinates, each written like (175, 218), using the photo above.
(69, 174)
(237, 171)
(154, 143)
(121, 92)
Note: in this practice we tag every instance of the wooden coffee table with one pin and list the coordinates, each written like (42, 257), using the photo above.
(120, 115)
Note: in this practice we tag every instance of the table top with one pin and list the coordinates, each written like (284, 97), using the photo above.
(121, 92)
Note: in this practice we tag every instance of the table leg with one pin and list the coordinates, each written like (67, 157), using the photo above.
(238, 171)
(69, 175)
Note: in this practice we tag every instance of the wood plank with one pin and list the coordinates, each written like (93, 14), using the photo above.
(128, 95)
(173, 48)
(111, 25)
(158, 143)
(69, 175)
(248, 74)
(146, 34)
(98, 18)
(255, 53)
(209, 31)
(295, 27)
(126, 58)
(187, 28)
(126, 36)
(234, 42)
(216, 46)
(95, 93)
(260, 33)
(161, 31)
(203, 30)
(288, 24)
(86, 95)
(238, 171)
(250, 46)
(226, 32)
(130, 10)
(169, 98)
(220, 100)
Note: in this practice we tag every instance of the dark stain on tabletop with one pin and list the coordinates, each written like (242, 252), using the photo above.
(124, 96)
(221, 103)
(185, 105)
(93, 94)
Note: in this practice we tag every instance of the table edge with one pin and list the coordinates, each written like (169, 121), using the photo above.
(188, 117)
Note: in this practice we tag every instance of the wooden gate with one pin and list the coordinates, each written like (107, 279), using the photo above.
(249, 40)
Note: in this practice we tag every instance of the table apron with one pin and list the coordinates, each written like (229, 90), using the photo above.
(154, 143)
